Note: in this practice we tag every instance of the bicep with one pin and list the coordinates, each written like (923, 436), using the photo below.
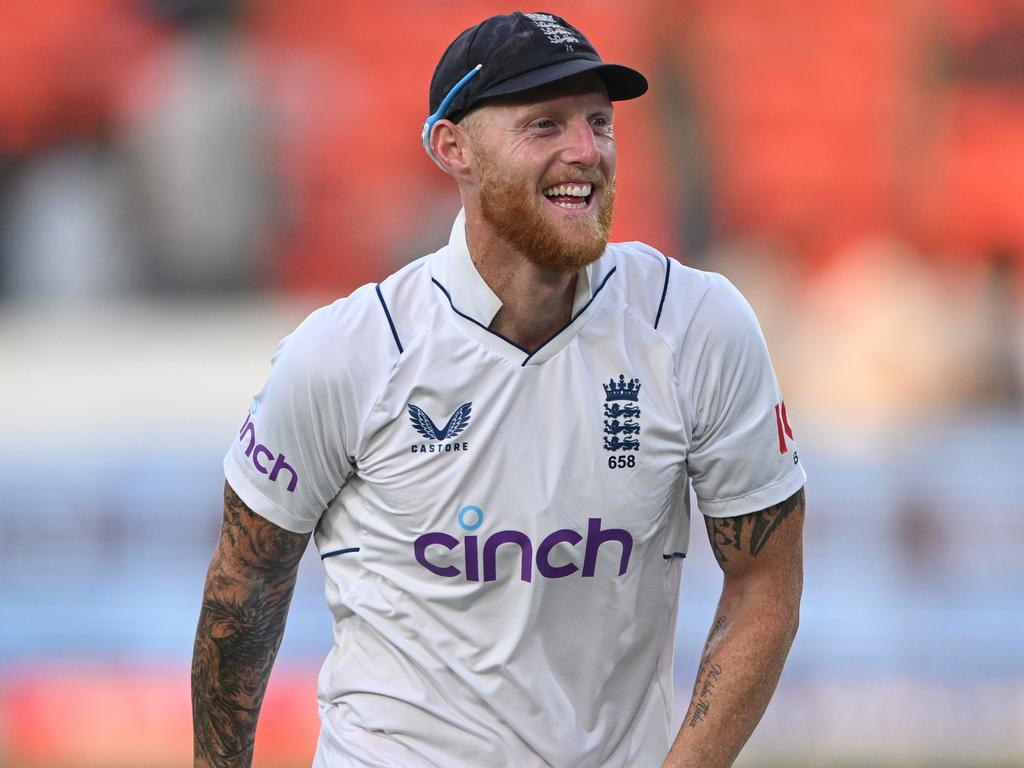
(253, 546)
(767, 544)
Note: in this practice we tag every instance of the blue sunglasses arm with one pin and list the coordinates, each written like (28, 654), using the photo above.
(428, 124)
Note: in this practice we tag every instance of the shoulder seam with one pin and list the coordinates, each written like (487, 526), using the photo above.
(391, 322)
(664, 291)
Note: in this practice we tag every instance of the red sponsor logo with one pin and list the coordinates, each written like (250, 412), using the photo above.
(782, 422)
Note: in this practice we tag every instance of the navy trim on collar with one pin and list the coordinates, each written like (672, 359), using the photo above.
(573, 318)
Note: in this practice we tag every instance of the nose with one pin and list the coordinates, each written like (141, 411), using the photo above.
(581, 145)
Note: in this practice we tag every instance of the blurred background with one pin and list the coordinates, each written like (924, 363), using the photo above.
(181, 181)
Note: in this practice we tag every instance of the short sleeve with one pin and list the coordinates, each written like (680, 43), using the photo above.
(742, 457)
(289, 458)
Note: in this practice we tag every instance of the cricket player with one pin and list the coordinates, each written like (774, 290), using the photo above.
(493, 449)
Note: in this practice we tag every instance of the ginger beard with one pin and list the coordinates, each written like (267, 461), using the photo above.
(512, 206)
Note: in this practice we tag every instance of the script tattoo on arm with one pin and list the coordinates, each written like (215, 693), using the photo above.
(245, 603)
(761, 557)
(727, 532)
(707, 676)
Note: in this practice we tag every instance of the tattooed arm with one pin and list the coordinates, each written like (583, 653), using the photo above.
(248, 589)
(761, 555)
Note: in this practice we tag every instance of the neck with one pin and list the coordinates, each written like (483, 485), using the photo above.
(535, 303)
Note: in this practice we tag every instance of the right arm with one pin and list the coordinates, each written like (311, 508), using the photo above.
(245, 603)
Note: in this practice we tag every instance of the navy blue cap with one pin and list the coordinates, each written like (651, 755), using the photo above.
(519, 51)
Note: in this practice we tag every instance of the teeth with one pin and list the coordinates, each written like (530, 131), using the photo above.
(573, 190)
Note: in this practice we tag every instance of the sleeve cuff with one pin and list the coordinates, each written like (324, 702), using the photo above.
(757, 500)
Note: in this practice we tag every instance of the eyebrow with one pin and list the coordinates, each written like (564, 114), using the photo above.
(524, 111)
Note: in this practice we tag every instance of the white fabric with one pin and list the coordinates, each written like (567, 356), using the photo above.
(551, 645)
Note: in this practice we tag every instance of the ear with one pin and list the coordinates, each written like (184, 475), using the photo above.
(452, 147)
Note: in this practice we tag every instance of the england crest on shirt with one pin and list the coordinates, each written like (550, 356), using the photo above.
(622, 418)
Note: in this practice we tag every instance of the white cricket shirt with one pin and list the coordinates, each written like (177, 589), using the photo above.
(503, 532)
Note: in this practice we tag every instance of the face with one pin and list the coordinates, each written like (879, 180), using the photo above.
(544, 166)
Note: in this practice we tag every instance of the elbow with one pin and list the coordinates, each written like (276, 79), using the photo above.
(793, 625)
(785, 615)
(793, 590)
(789, 617)
(771, 603)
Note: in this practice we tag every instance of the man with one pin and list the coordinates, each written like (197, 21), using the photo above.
(494, 447)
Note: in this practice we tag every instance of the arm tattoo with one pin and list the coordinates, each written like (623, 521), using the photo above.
(707, 675)
(245, 603)
(703, 690)
(726, 532)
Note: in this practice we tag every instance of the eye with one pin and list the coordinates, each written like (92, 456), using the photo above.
(601, 121)
(545, 123)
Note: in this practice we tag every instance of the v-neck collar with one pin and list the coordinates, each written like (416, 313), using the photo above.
(471, 298)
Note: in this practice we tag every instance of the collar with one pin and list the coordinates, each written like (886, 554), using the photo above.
(454, 268)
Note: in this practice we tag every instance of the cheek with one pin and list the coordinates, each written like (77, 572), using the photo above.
(609, 160)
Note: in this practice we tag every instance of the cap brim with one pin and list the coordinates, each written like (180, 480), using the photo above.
(621, 82)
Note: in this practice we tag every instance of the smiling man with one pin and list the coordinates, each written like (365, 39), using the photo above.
(494, 447)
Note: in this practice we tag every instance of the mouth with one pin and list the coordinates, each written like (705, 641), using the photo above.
(571, 196)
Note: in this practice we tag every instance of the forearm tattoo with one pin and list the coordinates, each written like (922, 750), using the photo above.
(726, 533)
(245, 603)
(703, 690)
(707, 676)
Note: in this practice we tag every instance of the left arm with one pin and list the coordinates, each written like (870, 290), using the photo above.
(761, 556)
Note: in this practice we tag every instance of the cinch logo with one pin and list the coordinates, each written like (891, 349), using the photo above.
(472, 517)
(255, 450)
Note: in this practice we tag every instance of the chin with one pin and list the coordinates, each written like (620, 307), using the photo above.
(553, 238)
(573, 238)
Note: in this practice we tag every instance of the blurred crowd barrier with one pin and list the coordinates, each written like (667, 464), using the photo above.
(181, 181)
